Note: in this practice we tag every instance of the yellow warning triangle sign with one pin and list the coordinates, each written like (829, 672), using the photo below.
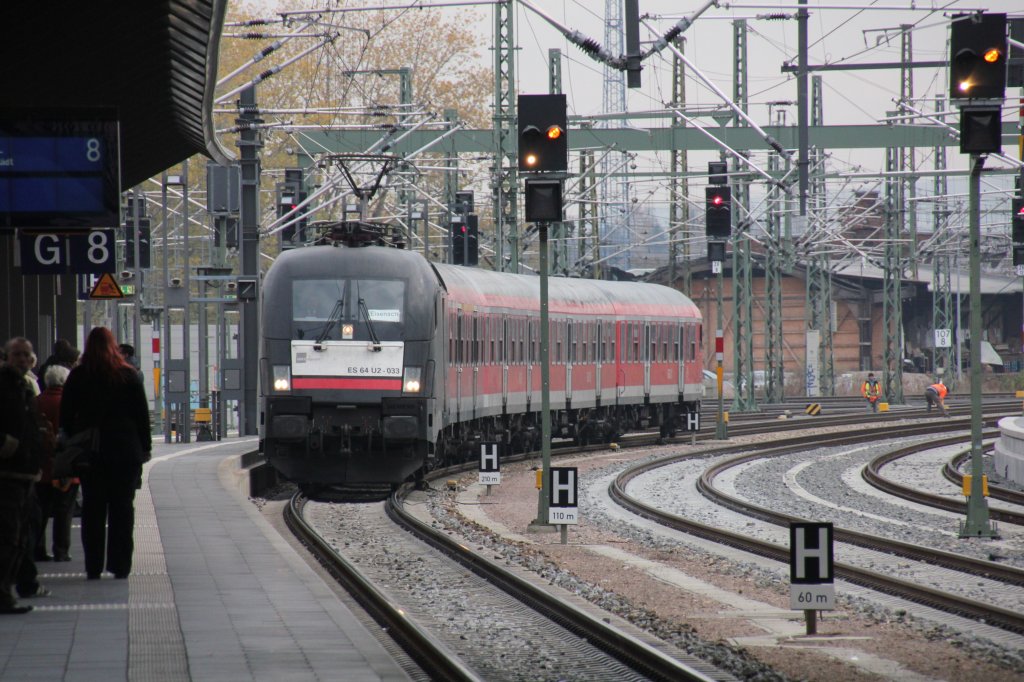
(106, 287)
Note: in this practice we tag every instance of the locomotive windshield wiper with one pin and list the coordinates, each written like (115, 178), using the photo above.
(369, 325)
(332, 319)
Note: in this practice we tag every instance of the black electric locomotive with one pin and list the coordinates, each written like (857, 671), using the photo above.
(376, 364)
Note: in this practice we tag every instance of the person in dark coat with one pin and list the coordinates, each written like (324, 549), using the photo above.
(64, 355)
(20, 443)
(104, 391)
(22, 358)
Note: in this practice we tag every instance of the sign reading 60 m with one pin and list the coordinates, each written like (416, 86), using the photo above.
(46, 253)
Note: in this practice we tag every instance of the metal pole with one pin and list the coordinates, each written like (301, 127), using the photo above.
(545, 382)
(165, 317)
(249, 215)
(721, 429)
(185, 422)
(977, 523)
(801, 103)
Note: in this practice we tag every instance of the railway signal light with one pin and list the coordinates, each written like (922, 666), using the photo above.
(466, 240)
(981, 130)
(543, 201)
(1017, 221)
(977, 50)
(718, 212)
(543, 143)
(288, 201)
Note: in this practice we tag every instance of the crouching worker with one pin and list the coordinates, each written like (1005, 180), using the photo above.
(936, 396)
(872, 391)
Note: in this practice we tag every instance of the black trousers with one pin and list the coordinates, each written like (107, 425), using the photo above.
(60, 505)
(108, 521)
(27, 578)
(13, 495)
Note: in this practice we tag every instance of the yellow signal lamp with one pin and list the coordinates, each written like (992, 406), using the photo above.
(554, 132)
(992, 55)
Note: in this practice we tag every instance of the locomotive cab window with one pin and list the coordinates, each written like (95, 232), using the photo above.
(344, 308)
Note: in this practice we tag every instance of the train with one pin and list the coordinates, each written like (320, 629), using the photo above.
(377, 365)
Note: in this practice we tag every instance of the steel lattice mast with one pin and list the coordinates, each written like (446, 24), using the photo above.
(908, 161)
(505, 171)
(743, 336)
(679, 207)
(559, 233)
(614, 191)
(773, 259)
(819, 276)
(942, 307)
(892, 300)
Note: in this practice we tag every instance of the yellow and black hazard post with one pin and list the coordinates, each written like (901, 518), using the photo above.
(813, 409)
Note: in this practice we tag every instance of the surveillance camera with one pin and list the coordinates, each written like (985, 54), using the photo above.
(175, 282)
(127, 275)
(231, 286)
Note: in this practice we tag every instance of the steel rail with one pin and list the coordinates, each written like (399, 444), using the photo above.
(872, 473)
(429, 652)
(995, 616)
(624, 647)
(952, 473)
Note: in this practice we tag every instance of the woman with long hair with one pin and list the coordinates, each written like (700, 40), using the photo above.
(105, 392)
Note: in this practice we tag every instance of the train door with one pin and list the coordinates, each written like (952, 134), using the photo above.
(598, 357)
(570, 356)
(621, 333)
(647, 356)
(474, 357)
(680, 354)
(459, 359)
(531, 329)
(503, 355)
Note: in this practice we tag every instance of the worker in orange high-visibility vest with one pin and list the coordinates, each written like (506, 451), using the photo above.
(872, 391)
(936, 395)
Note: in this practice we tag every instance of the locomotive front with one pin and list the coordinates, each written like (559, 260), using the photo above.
(345, 364)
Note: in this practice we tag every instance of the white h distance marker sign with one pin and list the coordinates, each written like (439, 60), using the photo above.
(490, 465)
(810, 567)
(562, 505)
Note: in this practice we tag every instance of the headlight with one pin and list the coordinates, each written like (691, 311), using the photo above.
(282, 377)
(411, 380)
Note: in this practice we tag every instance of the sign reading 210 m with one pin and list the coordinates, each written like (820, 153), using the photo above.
(59, 170)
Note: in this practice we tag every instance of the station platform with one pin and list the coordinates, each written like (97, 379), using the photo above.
(216, 593)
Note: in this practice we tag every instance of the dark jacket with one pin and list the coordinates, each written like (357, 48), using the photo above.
(48, 407)
(118, 407)
(20, 441)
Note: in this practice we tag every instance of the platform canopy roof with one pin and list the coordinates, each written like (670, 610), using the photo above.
(155, 61)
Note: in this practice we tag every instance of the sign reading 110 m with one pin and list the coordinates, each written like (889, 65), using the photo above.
(59, 169)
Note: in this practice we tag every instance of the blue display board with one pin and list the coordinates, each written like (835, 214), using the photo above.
(59, 169)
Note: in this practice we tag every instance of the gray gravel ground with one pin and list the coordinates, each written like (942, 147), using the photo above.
(492, 632)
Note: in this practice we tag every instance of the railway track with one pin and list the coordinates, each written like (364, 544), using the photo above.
(435, 657)
(588, 639)
(873, 475)
(1006, 619)
(952, 473)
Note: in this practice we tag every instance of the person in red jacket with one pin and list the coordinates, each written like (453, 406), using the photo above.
(936, 395)
(56, 495)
